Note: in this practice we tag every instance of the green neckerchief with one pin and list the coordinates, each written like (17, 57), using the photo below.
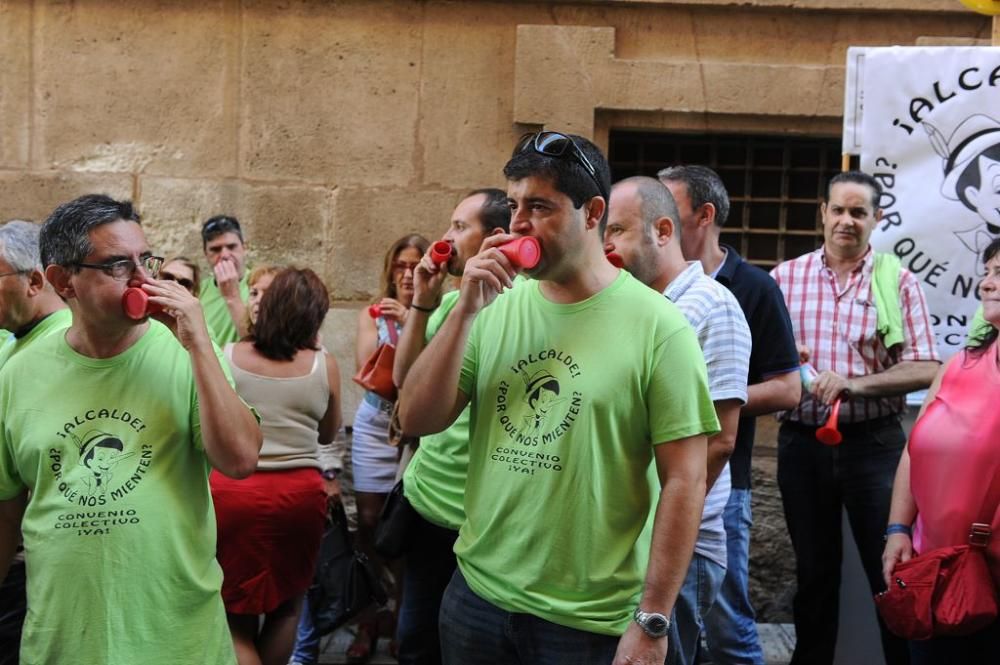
(978, 329)
(885, 286)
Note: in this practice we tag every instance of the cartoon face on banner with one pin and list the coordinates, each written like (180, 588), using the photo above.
(931, 136)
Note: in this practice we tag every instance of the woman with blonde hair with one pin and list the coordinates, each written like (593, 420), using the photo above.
(258, 281)
(184, 271)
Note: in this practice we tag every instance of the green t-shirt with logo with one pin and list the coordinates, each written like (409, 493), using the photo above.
(119, 532)
(434, 481)
(567, 403)
(54, 322)
(217, 317)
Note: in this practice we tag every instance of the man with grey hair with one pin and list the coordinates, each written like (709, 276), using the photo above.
(115, 450)
(703, 206)
(30, 309)
(642, 229)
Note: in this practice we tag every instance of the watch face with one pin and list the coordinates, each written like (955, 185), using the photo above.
(656, 623)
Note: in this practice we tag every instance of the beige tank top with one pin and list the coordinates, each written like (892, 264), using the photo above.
(290, 411)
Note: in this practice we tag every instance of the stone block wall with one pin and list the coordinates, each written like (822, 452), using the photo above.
(330, 128)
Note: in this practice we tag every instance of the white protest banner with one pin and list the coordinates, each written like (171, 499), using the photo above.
(931, 136)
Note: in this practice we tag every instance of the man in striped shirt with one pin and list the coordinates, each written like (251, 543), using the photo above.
(773, 385)
(642, 229)
(831, 300)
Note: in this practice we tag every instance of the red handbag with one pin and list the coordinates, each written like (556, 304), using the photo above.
(376, 375)
(947, 591)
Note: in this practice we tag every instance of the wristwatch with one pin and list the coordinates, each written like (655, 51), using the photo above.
(653, 624)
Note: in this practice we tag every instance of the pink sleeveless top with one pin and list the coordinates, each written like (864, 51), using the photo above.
(955, 457)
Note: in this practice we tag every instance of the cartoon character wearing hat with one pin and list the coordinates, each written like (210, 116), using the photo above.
(972, 173)
(100, 452)
(541, 394)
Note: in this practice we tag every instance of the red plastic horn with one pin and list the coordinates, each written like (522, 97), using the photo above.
(828, 434)
(615, 259)
(441, 251)
(136, 304)
(374, 311)
(522, 252)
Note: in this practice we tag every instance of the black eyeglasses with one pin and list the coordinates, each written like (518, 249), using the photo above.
(555, 144)
(123, 269)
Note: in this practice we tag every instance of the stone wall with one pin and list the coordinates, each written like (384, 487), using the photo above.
(330, 128)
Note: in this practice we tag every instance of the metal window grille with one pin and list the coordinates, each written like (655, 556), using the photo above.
(775, 183)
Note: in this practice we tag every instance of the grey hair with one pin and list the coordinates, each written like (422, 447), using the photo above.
(19, 245)
(703, 186)
(65, 236)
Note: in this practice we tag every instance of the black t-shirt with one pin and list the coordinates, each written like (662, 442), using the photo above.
(773, 350)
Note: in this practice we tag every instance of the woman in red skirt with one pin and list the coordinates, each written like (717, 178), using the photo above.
(271, 523)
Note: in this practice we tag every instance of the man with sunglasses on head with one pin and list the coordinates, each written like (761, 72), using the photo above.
(434, 482)
(30, 308)
(572, 434)
(224, 293)
(172, 413)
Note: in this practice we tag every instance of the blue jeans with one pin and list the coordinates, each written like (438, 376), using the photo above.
(731, 626)
(476, 632)
(306, 639)
(701, 585)
(430, 564)
(817, 483)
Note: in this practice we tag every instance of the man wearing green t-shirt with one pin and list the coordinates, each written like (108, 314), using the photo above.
(30, 308)
(113, 426)
(28, 305)
(224, 293)
(578, 380)
(434, 482)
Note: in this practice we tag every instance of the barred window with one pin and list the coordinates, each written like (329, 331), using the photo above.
(775, 183)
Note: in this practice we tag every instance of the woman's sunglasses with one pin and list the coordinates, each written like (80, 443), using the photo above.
(183, 281)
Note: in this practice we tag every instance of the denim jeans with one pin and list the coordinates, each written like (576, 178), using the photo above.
(817, 483)
(731, 625)
(306, 649)
(430, 563)
(701, 585)
(476, 632)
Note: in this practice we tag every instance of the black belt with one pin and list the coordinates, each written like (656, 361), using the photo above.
(850, 428)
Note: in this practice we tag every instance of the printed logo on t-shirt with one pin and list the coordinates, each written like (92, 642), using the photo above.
(97, 460)
(536, 406)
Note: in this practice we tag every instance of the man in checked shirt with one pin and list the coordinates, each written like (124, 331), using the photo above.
(832, 306)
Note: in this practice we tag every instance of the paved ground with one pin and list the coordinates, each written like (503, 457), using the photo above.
(777, 639)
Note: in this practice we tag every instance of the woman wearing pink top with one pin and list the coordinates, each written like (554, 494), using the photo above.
(949, 475)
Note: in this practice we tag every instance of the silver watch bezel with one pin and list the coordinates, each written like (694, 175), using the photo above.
(641, 618)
